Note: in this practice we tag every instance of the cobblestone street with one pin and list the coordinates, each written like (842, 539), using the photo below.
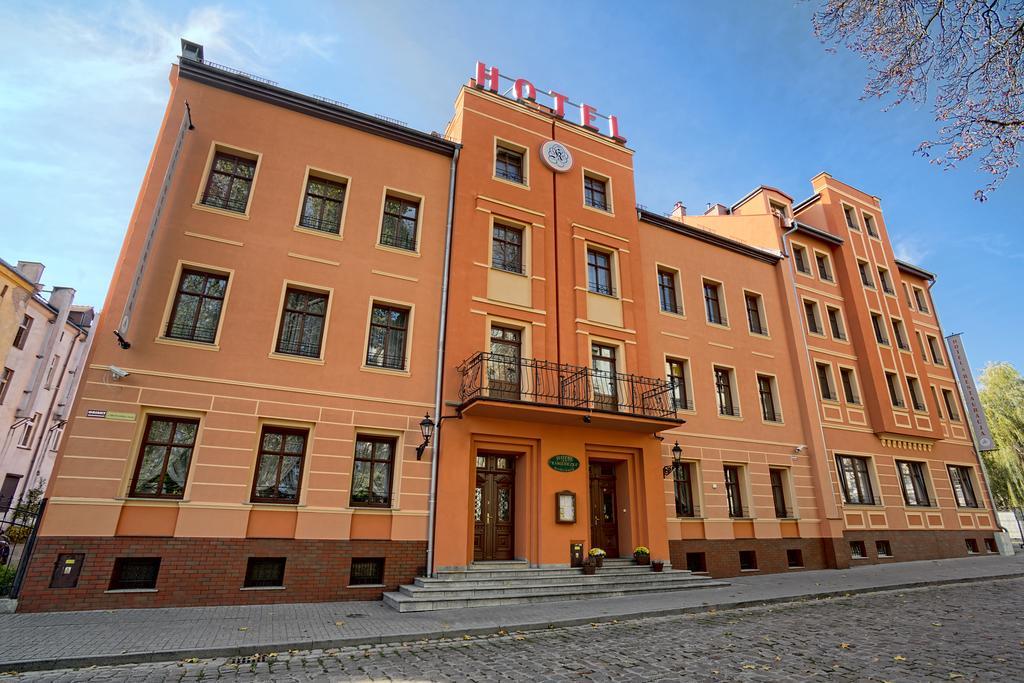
(963, 632)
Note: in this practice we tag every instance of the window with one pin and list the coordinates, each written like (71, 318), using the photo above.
(800, 259)
(401, 217)
(388, 332)
(781, 209)
(508, 164)
(54, 362)
(504, 368)
(920, 346)
(869, 221)
(678, 371)
(748, 561)
(164, 457)
(883, 277)
(899, 333)
(229, 183)
(851, 217)
(769, 405)
(6, 378)
(279, 465)
(813, 322)
(372, 471)
(912, 481)
(883, 549)
(366, 571)
(302, 323)
(264, 572)
(754, 314)
(906, 292)
(30, 429)
(21, 336)
(604, 376)
(972, 546)
(858, 550)
(197, 306)
(825, 383)
(895, 395)
(950, 401)
(835, 322)
(916, 397)
(322, 205)
(507, 248)
(855, 480)
(682, 484)
(723, 390)
(963, 486)
(599, 272)
(922, 299)
(595, 193)
(876, 323)
(849, 381)
(990, 545)
(935, 397)
(135, 573)
(778, 480)
(824, 267)
(696, 562)
(667, 293)
(713, 303)
(936, 350)
(732, 490)
(865, 274)
(794, 558)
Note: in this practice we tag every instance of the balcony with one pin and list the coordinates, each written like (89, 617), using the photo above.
(544, 385)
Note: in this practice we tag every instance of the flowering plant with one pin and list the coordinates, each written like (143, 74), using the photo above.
(641, 550)
(597, 552)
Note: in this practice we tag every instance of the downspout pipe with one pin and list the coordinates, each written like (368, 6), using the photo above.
(441, 336)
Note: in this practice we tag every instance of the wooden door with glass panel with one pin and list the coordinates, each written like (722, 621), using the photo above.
(503, 369)
(604, 520)
(493, 514)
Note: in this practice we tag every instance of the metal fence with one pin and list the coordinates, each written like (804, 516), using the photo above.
(507, 378)
(18, 528)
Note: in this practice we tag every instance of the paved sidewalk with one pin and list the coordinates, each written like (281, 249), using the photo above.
(76, 639)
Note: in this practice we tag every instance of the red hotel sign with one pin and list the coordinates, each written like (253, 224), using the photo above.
(488, 78)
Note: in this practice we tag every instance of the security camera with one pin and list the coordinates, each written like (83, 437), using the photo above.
(800, 449)
(117, 373)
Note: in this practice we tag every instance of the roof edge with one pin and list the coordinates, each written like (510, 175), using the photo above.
(818, 232)
(709, 237)
(915, 270)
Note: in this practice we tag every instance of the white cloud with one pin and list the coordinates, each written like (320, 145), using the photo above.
(909, 249)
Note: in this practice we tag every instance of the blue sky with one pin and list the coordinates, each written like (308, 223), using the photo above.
(716, 98)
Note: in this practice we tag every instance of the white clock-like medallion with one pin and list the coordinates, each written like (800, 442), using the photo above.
(556, 156)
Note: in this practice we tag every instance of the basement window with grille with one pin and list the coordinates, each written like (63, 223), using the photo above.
(696, 562)
(794, 558)
(748, 561)
(135, 573)
(264, 572)
(367, 571)
(858, 551)
(883, 549)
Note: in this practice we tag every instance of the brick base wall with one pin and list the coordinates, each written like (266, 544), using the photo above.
(722, 557)
(211, 571)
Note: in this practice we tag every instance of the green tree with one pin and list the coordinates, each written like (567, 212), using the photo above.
(1002, 396)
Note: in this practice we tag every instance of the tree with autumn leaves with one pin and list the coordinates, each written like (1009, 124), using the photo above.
(964, 58)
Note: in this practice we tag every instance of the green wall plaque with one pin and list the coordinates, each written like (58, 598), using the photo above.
(564, 463)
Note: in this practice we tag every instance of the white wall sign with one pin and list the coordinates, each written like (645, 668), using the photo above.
(556, 156)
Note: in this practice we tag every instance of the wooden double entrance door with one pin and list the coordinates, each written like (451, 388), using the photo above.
(493, 513)
(604, 518)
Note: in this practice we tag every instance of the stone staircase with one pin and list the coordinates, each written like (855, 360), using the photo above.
(487, 584)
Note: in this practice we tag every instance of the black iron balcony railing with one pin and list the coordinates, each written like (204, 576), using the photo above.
(528, 380)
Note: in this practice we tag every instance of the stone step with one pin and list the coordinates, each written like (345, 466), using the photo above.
(429, 602)
(581, 584)
(508, 572)
(543, 576)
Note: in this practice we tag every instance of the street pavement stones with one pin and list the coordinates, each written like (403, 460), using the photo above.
(77, 639)
(965, 632)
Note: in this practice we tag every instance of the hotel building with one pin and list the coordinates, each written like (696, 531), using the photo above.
(760, 388)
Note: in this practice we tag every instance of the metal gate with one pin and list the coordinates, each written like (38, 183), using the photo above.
(19, 526)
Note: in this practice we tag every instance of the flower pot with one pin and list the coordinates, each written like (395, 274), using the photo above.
(589, 568)
(599, 561)
(640, 558)
(657, 566)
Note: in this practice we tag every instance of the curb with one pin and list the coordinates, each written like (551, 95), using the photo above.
(355, 641)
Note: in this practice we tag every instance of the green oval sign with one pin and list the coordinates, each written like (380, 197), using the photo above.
(564, 463)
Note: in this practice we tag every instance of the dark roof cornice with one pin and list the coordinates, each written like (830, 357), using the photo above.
(709, 237)
(807, 202)
(817, 232)
(915, 270)
(311, 106)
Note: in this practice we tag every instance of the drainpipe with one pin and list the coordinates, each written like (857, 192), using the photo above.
(441, 334)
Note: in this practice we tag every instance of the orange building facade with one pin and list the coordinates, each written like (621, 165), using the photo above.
(730, 390)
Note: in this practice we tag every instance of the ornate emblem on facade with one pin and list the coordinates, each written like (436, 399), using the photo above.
(556, 156)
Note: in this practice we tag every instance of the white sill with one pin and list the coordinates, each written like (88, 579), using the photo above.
(800, 567)
(262, 588)
(750, 570)
(131, 590)
(858, 558)
(368, 585)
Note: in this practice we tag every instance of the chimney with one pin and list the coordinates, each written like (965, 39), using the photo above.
(678, 212)
(32, 270)
(190, 50)
(717, 210)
